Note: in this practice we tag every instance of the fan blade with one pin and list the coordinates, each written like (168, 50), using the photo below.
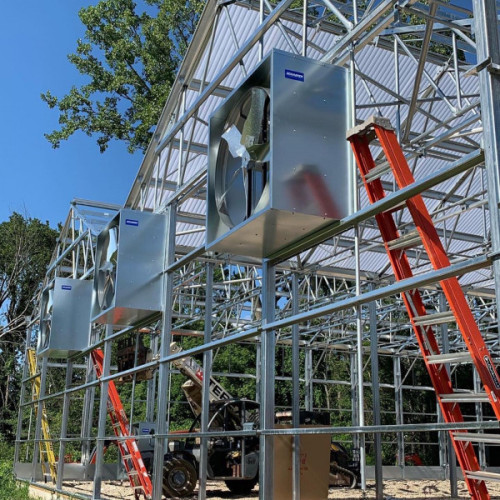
(254, 124)
(220, 200)
(233, 138)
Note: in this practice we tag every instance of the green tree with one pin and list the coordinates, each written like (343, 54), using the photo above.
(131, 56)
(26, 246)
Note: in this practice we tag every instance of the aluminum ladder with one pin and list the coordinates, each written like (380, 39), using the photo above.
(127, 444)
(422, 321)
(46, 449)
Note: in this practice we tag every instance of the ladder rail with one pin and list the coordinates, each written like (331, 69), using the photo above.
(458, 303)
(360, 139)
(45, 447)
(127, 444)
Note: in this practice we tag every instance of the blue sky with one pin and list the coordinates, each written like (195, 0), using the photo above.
(35, 38)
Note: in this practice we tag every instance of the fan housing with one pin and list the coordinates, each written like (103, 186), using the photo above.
(278, 164)
(65, 317)
(128, 279)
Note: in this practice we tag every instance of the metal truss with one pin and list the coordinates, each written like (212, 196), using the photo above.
(432, 68)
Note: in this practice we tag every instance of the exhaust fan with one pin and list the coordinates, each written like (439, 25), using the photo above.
(129, 268)
(278, 158)
(65, 317)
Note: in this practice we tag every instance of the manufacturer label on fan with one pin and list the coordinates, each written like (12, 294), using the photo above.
(131, 222)
(294, 75)
(66, 287)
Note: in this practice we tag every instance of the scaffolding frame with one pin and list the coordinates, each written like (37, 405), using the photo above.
(441, 132)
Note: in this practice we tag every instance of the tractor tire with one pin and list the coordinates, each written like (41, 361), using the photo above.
(241, 486)
(179, 478)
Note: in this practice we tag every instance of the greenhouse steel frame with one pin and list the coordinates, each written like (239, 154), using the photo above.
(437, 78)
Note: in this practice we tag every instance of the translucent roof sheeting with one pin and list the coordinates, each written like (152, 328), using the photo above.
(434, 94)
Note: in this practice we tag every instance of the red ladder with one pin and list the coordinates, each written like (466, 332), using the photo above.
(396, 245)
(132, 459)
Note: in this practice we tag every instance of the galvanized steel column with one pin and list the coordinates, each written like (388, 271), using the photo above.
(164, 369)
(207, 373)
(103, 412)
(295, 390)
(308, 376)
(64, 424)
(488, 52)
(17, 448)
(398, 396)
(452, 459)
(88, 409)
(379, 487)
(38, 426)
(268, 349)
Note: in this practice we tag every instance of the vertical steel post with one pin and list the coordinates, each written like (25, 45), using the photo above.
(151, 384)
(372, 311)
(88, 409)
(207, 373)
(38, 426)
(487, 49)
(452, 461)
(304, 28)
(164, 369)
(479, 417)
(17, 448)
(261, 20)
(268, 346)
(64, 424)
(308, 376)
(258, 378)
(295, 389)
(354, 395)
(103, 411)
(398, 399)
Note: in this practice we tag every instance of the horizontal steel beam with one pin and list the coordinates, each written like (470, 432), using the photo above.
(390, 201)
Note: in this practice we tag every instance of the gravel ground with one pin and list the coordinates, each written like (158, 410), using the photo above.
(113, 490)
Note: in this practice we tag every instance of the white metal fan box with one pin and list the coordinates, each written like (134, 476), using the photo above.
(308, 175)
(138, 268)
(65, 318)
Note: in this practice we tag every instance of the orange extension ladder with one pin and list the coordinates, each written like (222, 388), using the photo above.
(422, 322)
(132, 459)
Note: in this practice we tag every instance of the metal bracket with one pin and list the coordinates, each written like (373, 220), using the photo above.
(474, 70)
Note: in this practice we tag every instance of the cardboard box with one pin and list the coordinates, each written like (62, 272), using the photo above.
(314, 466)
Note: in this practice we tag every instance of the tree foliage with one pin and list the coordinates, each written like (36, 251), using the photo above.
(26, 246)
(130, 56)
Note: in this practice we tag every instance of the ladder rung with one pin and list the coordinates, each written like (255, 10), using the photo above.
(483, 475)
(133, 472)
(465, 397)
(452, 357)
(377, 172)
(472, 437)
(407, 240)
(434, 318)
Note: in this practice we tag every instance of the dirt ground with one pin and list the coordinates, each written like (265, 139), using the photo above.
(393, 490)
